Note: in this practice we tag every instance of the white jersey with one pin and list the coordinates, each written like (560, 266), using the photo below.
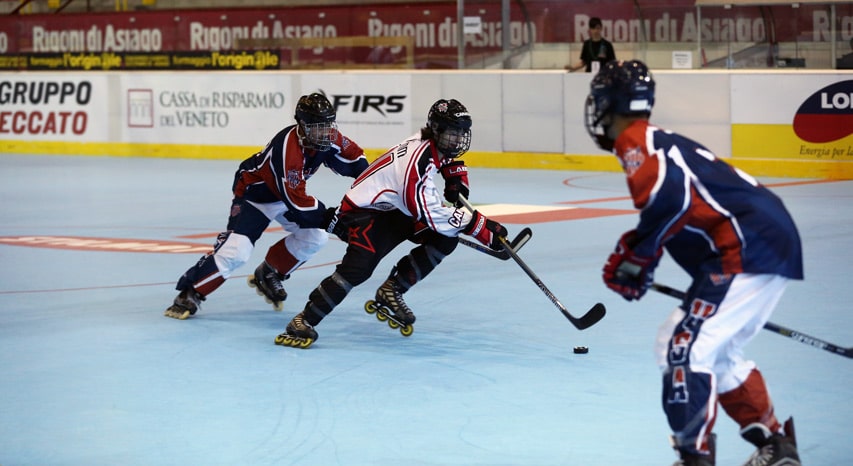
(402, 179)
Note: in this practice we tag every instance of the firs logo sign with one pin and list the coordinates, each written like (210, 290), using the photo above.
(827, 115)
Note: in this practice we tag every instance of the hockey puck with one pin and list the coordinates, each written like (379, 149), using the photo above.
(581, 350)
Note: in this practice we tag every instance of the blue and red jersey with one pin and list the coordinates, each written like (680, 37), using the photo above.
(279, 173)
(711, 217)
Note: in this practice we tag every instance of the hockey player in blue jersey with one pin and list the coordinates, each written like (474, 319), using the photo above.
(732, 236)
(272, 186)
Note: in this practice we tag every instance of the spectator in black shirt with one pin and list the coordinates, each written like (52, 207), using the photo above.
(596, 50)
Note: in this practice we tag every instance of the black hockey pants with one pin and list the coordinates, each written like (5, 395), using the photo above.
(370, 237)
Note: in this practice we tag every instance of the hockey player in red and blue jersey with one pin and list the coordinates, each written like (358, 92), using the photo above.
(395, 200)
(271, 186)
(732, 236)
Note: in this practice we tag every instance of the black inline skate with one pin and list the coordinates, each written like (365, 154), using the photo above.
(267, 283)
(390, 307)
(187, 303)
(297, 334)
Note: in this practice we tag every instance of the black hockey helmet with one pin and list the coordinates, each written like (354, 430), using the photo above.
(620, 87)
(450, 124)
(316, 118)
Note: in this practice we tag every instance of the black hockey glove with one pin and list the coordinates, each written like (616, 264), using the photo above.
(333, 225)
(455, 182)
(342, 224)
(314, 218)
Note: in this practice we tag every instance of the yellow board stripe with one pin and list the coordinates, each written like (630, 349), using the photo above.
(775, 167)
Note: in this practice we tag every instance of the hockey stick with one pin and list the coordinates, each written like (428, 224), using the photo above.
(587, 320)
(520, 240)
(784, 331)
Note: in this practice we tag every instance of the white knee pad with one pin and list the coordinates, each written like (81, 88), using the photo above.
(305, 242)
(232, 254)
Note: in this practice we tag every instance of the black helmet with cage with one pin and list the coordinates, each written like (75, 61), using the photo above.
(450, 124)
(620, 88)
(316, 118)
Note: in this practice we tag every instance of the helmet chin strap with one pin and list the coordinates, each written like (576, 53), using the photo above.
(300, 134)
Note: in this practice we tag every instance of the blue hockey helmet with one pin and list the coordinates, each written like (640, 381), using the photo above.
(622, 88)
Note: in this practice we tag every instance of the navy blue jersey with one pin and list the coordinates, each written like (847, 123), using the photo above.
(279, 173)
(711, 217)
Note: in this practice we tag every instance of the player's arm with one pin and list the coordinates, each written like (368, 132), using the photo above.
(661, 191)
(349, 159)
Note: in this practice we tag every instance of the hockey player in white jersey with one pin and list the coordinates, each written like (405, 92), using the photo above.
(393, 200)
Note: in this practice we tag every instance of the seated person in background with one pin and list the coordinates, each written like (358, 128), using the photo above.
(846, 62)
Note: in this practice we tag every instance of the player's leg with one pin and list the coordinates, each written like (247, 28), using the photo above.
(686, 349)
(743, 393)
(231, 250)
(413, 268)
(371, 239)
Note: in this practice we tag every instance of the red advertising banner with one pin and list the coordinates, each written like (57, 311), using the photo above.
(432, 27)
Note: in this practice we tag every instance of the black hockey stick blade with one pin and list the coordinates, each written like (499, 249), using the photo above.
(520, 240)
(775, 328)
(587, 320)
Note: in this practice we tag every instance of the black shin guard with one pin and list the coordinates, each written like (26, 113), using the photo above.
(422, 260)
(323, 300)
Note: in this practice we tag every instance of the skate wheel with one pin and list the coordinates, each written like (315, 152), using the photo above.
(305, 343)
(251, 281)
(283, 340)
(407, 330)
(382, 317)
(278, 306)
(393, 324)
(370, 307)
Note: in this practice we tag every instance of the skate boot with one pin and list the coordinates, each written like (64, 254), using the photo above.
(297, 334)
(773, 449)
(389, 307)
(267, 283)
(186, 304)
(689, 459)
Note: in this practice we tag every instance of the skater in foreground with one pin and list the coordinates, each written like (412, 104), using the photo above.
(394, 200)
(271, 186)
(732, 236)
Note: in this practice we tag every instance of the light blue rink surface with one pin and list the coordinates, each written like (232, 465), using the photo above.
(93, 374)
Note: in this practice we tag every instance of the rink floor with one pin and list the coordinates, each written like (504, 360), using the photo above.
(93, 374)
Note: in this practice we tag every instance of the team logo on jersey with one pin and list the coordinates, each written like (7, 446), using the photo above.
(827, 115)
(294, 177)
(632, 160)
(719, 279)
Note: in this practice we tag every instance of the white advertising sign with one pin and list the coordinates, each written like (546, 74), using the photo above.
(54, 107)
(374, 110)
(240, 109)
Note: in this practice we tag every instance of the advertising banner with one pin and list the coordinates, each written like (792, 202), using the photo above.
(375, 110)
(109, 37)
(810, 118)
(233, 109)
(69, 107)
(105, 61)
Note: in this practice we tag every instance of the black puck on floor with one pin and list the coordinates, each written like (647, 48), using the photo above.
(581, 350)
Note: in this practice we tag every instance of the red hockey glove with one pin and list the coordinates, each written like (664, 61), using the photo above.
(626, 273)
(486, 231)
(455, 182)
